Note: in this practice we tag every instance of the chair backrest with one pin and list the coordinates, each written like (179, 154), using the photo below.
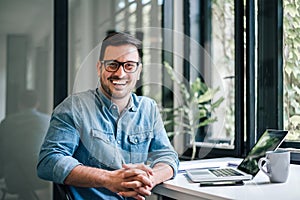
(61, 192)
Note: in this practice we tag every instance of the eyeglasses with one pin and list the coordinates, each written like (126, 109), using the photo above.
(113, 66)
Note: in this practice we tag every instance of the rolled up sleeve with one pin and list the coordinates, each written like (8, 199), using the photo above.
(55, 158)
(161, 150)
(63, 167)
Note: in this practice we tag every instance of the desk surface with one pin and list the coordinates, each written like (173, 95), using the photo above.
(258, 188)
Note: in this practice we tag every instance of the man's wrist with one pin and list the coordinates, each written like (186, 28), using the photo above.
(153, 180)
(104, 179)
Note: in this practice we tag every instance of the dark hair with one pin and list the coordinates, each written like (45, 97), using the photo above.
(118, 39)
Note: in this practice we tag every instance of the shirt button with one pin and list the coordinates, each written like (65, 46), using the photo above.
(118, 141)
(135, 140)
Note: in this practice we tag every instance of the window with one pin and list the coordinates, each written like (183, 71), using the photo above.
(291, 101)
(256, 62)
(291, 71)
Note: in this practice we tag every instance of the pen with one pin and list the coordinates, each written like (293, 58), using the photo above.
(222, 183)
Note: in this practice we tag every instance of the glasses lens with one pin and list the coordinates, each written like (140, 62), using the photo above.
(130, 66)
(111, 66)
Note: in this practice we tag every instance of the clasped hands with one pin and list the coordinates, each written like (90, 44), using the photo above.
(133, 180)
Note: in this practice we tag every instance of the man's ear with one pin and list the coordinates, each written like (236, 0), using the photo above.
(139, 71)
(98, 65)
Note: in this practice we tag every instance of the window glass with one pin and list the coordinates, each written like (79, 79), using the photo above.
(291, 25)
(215, 34)
(26, 95)
(223, 58)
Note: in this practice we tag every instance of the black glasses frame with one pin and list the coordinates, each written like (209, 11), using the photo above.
(105, 62)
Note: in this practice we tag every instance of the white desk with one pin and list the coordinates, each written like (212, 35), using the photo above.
(259, 188)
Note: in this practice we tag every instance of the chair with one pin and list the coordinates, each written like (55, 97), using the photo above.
(61, 192)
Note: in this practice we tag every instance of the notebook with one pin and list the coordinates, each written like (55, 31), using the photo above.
(270, 140)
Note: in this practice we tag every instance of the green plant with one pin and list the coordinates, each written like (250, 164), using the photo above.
(196, 108)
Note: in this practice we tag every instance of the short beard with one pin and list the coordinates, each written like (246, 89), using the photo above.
(106, 89)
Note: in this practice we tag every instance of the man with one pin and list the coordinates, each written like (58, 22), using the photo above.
(101, 141)
(21, 135)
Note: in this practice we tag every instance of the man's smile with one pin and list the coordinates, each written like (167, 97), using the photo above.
(119, 82)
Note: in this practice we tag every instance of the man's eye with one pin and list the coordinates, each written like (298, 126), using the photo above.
(129, 65)
(112, 65)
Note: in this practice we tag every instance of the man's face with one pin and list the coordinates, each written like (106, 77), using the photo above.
(119, 84)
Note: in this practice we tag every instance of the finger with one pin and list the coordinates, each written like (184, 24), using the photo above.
(145, 180)
(139, 166)
(134, 172)
(143, 191)
(133, 194)
(139, 197)
(132, 184)
(140, 192)
(142, 178)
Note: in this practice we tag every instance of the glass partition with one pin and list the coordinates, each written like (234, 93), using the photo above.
(26, 95)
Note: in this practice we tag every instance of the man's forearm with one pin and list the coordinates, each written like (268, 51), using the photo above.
(83, 176)
(162, 172)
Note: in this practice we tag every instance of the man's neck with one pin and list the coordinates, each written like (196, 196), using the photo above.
(121, 103)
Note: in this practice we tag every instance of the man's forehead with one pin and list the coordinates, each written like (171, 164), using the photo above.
(115, 52)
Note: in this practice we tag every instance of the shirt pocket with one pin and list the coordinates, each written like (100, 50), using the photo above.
(104, 153)
(139, 145)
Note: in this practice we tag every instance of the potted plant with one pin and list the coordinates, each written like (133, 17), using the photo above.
(195, 110)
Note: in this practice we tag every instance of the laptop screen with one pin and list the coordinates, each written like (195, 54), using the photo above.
(269, 141)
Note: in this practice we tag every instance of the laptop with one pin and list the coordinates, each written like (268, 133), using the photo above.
(270, 140)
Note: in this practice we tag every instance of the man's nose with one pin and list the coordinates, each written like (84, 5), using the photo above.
(120, 72)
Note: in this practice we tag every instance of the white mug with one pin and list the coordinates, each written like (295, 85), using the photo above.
(277, 165)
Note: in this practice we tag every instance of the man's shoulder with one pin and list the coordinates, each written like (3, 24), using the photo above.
(85, 95)
(76, 99)
(143, 101)
(43, 116)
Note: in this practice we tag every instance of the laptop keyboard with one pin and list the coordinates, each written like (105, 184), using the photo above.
(225, 172)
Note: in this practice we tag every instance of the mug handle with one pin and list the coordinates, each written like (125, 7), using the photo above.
(260, 165)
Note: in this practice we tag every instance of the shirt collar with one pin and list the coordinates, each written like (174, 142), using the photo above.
(132, 105)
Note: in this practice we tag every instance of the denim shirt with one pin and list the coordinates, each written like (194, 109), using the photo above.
(87, 129)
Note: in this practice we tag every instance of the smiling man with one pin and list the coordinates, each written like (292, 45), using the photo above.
(119, 69)
(109, 143)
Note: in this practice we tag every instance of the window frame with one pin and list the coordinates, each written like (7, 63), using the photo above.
(60, 90)
(258, 114)
(270, 65)
(272, 47)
